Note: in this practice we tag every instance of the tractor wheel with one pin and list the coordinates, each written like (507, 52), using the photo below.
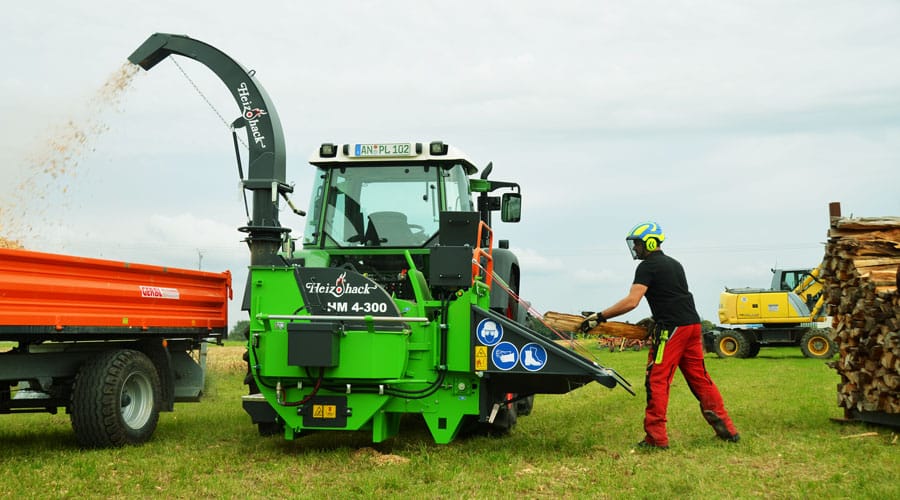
(732, 344)
(115, 399)
(524, 406)
(817, 344)
(504, 422)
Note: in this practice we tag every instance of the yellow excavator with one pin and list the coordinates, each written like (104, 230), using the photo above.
(787, 314)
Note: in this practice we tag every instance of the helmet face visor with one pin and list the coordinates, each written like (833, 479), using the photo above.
(631, 248)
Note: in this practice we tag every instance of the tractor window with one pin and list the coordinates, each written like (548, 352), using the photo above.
(310, 235)
(380, 205)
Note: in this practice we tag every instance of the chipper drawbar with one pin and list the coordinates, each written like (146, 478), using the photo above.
(396, 301)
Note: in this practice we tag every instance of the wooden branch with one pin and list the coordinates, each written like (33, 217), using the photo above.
(572, 323)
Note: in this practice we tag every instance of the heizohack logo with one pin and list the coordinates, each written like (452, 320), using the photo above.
(340, 287)
(251, 114)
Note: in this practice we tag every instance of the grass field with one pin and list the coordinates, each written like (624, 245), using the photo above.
(577, 445)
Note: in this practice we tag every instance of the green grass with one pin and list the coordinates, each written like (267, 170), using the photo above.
(576, 445)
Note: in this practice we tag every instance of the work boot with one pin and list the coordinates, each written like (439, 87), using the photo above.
(648, 446)
(719, 426)
(734, 438)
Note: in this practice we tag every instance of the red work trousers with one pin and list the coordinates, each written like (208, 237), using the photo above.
(683, 350)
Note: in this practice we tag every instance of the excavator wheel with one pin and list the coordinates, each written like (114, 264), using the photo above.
(817, 344)
(732, 344)
(754, 349)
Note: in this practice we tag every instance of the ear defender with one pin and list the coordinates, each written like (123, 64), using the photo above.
(651, 244)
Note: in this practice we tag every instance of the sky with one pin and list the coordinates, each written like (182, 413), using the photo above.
(731, 124)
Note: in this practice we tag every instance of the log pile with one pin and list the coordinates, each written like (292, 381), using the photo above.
(861, 270)
(572, 323)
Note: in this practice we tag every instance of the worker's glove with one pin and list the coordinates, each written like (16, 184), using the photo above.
(591, 320)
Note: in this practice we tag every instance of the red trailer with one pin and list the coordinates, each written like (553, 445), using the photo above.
(114, 343)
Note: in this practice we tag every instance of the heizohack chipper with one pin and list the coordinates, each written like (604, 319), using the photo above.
(396, 299)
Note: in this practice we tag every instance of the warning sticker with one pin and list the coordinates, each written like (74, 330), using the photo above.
(481, 358)
(505, 356)
(489, 332)
(324, 411)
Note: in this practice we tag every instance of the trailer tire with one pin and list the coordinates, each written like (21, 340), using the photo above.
(732, 344)
(115, 400)
(817, 344)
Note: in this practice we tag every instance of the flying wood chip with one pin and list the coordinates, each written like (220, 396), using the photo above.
(572, 323)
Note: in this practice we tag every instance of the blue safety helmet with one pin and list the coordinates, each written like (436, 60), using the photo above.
(647, 232)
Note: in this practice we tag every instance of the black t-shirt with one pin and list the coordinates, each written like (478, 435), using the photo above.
(667, 290)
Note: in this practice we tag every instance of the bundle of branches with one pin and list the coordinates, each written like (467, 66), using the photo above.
(572, 323)
(861, 270)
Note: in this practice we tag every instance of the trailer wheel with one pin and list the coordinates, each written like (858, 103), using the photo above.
(732, 344)
(816, 344)
(115, 400)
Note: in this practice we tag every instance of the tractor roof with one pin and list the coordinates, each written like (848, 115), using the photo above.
(330, 155)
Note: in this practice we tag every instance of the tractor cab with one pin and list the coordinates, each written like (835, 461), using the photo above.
(384, 195)
(391, 195)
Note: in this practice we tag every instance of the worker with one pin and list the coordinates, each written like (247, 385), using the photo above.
(675, 335)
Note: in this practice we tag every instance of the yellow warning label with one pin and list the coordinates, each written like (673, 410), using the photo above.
(481, 357)
(324, 411)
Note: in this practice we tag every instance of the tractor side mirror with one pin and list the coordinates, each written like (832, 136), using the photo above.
(511, 207)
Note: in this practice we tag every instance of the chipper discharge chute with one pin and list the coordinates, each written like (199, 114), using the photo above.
(396, 301)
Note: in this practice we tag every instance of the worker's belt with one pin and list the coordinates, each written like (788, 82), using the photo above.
(656, 331)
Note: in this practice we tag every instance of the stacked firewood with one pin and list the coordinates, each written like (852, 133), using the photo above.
(861, 271)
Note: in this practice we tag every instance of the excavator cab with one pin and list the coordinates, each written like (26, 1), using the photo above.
(787, 279)
(804, 283)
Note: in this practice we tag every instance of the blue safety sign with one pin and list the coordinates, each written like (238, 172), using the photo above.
(533, 357)
(505, 355)
(489, 332)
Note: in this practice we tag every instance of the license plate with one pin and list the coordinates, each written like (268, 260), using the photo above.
(384, 150)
